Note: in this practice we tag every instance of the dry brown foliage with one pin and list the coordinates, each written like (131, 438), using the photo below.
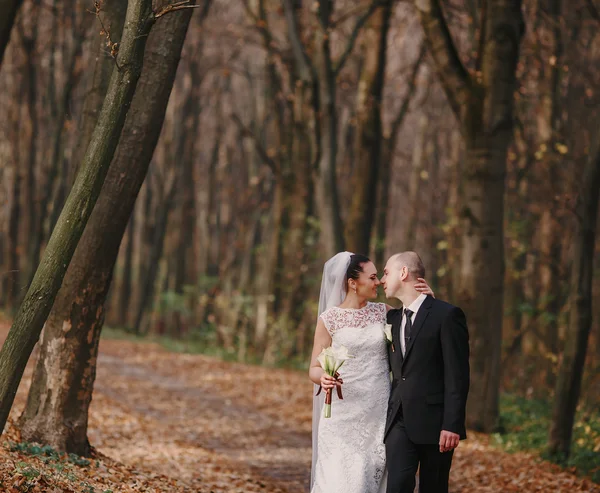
(165, 422)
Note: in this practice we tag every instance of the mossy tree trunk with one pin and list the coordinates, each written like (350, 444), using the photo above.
(61, 392)
(38, 301)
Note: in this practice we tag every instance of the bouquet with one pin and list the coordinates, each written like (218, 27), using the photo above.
(331, 361)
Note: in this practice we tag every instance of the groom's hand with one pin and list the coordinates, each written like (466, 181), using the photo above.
(448, 441)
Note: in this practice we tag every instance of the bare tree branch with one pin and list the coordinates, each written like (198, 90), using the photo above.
(304, 65)
(249, 10)
(178, 6)
(453, 75)
(257, 145)
(412, 85)
(593, 10)
(111, 45)
(350, 13)
(355, 32)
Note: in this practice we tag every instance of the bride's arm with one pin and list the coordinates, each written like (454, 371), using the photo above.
(316, 373)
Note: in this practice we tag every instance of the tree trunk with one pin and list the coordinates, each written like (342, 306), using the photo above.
(149, 278)
(413, 205)
(8, 10)
(124, 299)
(299, 207)
(551, 299)
(57, 156)
(484, 106)
(58, 402)
(389, 147)
(146, 221)
(113, 15)
(570, 373)
(332, 231)
(359, 223)
(47, 281)
(185, 271)
(11, 279)
(30, 198)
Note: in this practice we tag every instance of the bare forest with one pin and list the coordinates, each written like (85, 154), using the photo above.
(178, 172)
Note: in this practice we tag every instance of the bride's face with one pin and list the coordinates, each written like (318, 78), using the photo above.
(367, 283)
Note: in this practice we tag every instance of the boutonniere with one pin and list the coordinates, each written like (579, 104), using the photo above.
(387, 332)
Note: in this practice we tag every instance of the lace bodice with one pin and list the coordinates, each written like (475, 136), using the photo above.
(336, 318)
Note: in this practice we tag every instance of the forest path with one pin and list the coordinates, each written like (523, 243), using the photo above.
(201, 420)
(215, 426)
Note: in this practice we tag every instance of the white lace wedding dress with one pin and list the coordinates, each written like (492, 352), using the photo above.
(350, 450)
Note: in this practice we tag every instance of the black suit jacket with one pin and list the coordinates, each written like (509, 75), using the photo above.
(431, 381)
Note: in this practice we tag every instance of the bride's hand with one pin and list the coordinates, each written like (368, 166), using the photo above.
(423, 287)
(328, 382)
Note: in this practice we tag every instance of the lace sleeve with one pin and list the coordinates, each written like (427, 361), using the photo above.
(326, 317)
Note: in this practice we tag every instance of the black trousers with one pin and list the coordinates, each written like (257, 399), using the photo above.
(404, 457)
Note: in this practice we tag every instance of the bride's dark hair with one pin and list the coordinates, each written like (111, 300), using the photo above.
(356, 267)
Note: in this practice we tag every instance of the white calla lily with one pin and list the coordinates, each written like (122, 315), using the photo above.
(387, 331)
(331, 360)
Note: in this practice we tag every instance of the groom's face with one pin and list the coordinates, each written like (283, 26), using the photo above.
(391, 280)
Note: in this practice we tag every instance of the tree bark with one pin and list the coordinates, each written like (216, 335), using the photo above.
(332, 232)
(484, 107)
(124, 299)
(551, 299)
(11, 279)
(113, 17)
(58, 402)
(184, 265)
(149, 278)
(568, 387)
(389, 147)
(361, 216)
(9, 9)
(47, 281)
(413, 206)
(30, 198)
(57, 157)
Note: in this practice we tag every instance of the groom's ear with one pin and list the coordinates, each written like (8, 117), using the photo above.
(403, 273)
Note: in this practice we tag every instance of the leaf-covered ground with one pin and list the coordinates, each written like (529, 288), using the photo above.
(167, 422)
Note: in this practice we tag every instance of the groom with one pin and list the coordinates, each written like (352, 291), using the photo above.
(429, 357)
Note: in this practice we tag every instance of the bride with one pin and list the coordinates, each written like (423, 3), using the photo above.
(348, 448)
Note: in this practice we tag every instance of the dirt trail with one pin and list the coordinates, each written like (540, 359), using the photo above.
(189, 417)
(214, 426)
(184, 419)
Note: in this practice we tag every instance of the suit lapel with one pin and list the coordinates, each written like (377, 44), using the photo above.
(418, 323)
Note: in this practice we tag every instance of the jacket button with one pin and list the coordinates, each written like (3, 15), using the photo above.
(403, 378)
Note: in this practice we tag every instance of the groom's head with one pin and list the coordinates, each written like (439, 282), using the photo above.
(401, 273)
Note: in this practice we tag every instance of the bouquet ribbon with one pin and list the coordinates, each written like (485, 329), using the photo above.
(328, 392)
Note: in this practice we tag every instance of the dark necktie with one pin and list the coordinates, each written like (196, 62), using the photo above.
(407, 327)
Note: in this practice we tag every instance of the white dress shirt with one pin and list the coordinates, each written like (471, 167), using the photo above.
(413, 307)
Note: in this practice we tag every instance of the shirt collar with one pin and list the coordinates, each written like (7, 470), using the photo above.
(415, 305)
